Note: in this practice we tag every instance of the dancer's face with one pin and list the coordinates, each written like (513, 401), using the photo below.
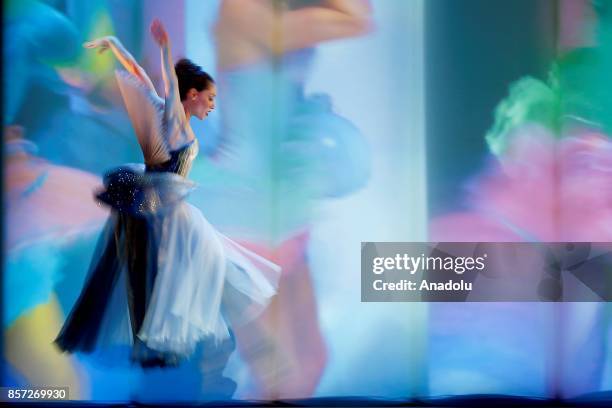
(203, 102)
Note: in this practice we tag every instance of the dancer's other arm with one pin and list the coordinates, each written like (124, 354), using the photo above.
(174, 111)
(125, 58)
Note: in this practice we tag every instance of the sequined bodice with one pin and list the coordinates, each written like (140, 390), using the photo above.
(180, 160)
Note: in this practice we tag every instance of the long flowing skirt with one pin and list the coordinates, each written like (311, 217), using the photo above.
(162, 278)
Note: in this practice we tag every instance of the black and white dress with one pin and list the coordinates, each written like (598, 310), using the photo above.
(162, 278)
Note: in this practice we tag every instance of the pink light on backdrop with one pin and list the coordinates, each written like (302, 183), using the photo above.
(576, 18)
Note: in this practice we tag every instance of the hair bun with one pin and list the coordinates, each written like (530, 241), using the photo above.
(190, 76)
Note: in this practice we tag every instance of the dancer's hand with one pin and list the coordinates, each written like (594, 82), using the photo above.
(102, 44)
(159, 33)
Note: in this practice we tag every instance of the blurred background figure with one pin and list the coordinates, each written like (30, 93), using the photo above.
(50, 113)
(51, 224)
(45, 231)
(286, 149)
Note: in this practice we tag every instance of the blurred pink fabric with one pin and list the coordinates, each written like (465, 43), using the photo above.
(543, 188)
(547, 189)
(44, 201)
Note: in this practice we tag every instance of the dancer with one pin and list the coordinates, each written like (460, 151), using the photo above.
(158, 257)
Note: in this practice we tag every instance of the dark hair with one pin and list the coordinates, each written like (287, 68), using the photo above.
(190, 76)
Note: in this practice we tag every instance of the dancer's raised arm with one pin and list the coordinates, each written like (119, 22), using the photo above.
(125, 58)
(173, 109)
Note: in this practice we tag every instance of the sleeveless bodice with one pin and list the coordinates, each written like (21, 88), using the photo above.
(180, 160)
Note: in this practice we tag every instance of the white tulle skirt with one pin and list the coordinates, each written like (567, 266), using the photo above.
(163, 279)
(205, 283)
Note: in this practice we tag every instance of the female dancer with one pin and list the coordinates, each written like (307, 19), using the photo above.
(158, 257)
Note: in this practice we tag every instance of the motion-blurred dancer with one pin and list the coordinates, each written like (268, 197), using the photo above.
(48, 211)
(290, 149)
